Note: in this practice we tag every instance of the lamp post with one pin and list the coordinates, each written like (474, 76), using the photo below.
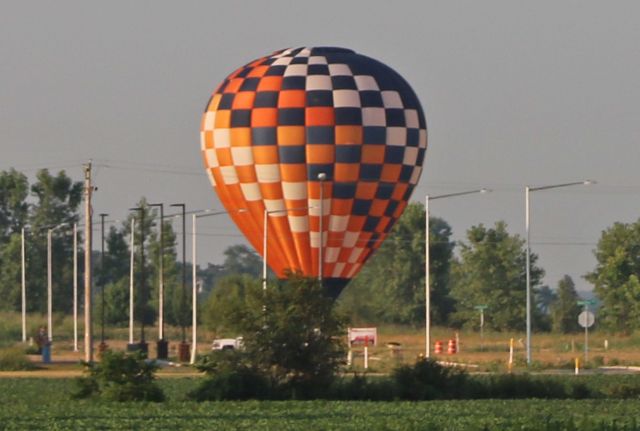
(143, 345)
(184, 346)
(162, 344)
(481, 309)
(50, 280)
(24, 287)
(194, 281)
(321, 177)
(131, 345)
(527, 191)
(427, 282)
(103, 346)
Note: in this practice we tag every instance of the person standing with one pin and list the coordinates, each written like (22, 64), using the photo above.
(44, 344)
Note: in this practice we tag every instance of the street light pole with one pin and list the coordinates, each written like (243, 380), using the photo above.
(184, 346)
(24, 289)
(527, 191)
(427, 277)
(161, 275)
(103, 345)
(321, 177)
(143, 345)
(75, 287)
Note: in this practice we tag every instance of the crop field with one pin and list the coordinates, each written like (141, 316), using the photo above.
(45, 404)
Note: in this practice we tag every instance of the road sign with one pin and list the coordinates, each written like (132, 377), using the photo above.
(586, 319)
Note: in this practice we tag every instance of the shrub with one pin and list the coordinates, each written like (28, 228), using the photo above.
(15, 359)
(428, 380)
(120, 377)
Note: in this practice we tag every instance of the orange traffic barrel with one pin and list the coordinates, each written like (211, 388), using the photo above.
(452, 348)
(438, 348)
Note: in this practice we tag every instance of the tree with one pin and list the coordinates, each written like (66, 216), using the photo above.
(230, 293)
(291, 332)
(615, 278)
(390, 288)
(240, 259)
(491, 271)
(14, 189)
(565, 308)
(545, 296)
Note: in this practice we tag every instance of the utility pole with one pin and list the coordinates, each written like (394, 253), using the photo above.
(103, 345)
(88, 330)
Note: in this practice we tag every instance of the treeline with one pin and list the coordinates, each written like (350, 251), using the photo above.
(486, 268)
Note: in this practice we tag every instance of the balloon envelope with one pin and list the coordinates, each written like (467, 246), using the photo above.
(310, 130)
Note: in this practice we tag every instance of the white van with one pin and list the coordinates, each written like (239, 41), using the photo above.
(227, 344)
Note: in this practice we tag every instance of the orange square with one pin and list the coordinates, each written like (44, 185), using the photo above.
(223, 119)
(382, 225)
(270, 83)
(390, 173)
(401, 206)
(341, 206)
(399, 191)
(243, 100)
(291, 135)
(366, 190)
(291, 99)
(319, 116)
(346, 172)
(265, 154)
(324, 154)
(214, 101)
(271, 190)
(297, 203)
(258, 71)
(208, 139)
(378, 206)
(234, 85)
(294, 172)
(246, 174)
(241, 137)
(356, 223)
(373, 154)
(348, 135)
(224, 157)
(264, 117)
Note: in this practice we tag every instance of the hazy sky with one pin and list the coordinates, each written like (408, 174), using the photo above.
(515, 93)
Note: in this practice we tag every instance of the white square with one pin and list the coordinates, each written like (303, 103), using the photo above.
(415, 175)
(299, 224)
(317, 60)
(338, 223)
(397, 136)
(391, 99)
(422, 138)
(337, 270)
(346, 99)
(355, 254)
(251, 191)
(294, 190)
(350, 239)
(282, 61)
(373, 117)
(411, 118)
(275, 205)
(305, 52)
(410, 156)
(268, 173)
(331, 254)
(209, 120)
(319, 82)
(366, 82)
(203, 141)
(339, 70)
(221, 138)
(242, 156)
(296, 70)
(211, 158)
(211, 178)
(229, 175)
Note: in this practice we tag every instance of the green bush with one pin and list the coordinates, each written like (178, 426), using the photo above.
(15, 359)
(120, 377)
(428, 380)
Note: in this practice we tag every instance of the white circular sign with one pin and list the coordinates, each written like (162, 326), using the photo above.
(586, 319)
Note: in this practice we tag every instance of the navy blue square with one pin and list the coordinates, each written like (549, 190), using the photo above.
(385, 190)
(320, 135)
(371, 98)
(343, 82)
(275, 71)
(361, 207)
(395, 117)
(299, 60)
(375, 135)
(370, 172)
(314, 169)
(348, 116)
(393, 154)
(344, 190)
(371, 224)
(391, 208)
(294, 82)
(244, 72)
(264, 135)
(291, 154)
(250, 84)
(222, 87)
(407, 193)
(291, 117)
(420, 157)
(413, 137)
(388, 227)
(421, 120)
(318, 69)
(226, 101)
(241, 118)
(348, 153)
(266, 99)
(320, 98)
(405, 173)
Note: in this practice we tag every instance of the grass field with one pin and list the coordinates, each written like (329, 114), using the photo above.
(45, 404)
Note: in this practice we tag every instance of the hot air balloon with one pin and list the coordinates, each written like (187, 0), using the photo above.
(300, 125)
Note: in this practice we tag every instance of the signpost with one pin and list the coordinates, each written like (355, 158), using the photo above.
(364, 336)
(586, 319)
(481, 308)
